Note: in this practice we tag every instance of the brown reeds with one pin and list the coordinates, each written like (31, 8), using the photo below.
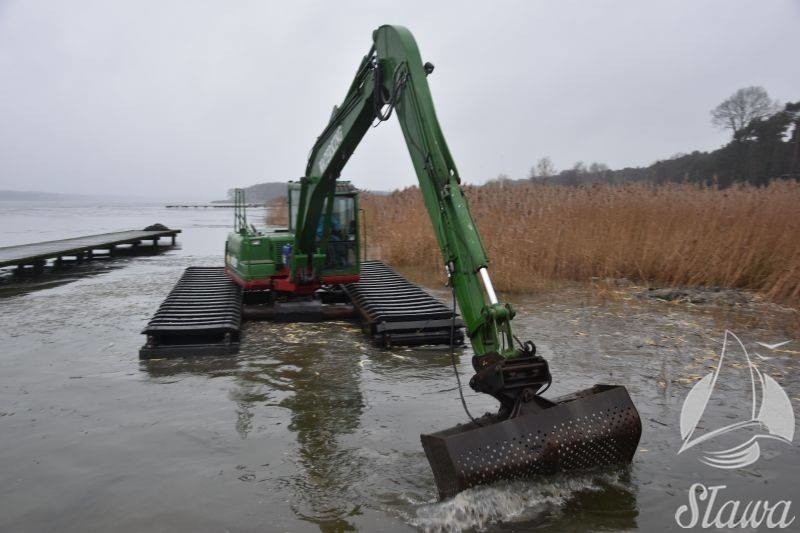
(675, 235)
(278, 212)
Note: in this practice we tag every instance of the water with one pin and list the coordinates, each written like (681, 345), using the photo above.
(311, 427)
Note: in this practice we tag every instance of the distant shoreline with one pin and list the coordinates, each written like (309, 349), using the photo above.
(40, 196)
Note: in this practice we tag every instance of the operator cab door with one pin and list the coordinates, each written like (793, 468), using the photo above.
(342, 255)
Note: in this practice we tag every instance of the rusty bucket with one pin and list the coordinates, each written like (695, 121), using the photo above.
(594, 427)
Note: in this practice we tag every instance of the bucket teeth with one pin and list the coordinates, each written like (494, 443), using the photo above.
(594, 427)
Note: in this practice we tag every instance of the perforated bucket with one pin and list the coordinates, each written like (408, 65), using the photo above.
(594, 427)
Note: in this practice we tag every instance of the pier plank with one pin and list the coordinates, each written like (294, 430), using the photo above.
(26, 254)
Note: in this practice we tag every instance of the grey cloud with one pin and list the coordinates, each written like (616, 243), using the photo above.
(191, 98)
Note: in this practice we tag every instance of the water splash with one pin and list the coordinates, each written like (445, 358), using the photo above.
(516, 501)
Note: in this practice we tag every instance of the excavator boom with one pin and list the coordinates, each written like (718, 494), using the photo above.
(392, 79)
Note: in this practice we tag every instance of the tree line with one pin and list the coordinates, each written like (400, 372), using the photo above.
(764, 145)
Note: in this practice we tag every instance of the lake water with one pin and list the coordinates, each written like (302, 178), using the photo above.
(312, 428)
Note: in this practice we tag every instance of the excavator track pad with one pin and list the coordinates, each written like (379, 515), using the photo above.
(594, 427)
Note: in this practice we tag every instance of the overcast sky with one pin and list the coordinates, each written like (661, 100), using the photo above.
(188, 99)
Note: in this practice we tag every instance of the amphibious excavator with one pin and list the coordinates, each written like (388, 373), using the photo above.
(529, 435)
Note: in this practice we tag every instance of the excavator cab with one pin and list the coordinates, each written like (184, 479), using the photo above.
(258, 259)
(342, 252)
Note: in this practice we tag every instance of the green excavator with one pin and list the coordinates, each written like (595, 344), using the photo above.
(529, 435)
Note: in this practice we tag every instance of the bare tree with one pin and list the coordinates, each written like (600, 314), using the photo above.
(502, 179)
(743, 106)
(597, 168)
(544, 168)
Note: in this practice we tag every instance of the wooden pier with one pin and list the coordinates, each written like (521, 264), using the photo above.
(35, 256)
(207, 206)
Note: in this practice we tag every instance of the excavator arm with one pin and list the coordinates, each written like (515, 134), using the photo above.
(392, 79)
(530, 435)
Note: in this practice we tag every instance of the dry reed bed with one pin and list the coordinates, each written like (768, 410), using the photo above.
(678, 234)
(278, 212)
